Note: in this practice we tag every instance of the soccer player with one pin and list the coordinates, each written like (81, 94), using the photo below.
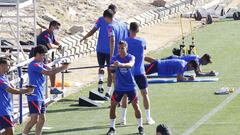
(6, 91)
(124, 85)
(204, 60)
(36, 71)
(103, 47)
(47, 38)
(136, 47)
(171, 67)
(117, 31)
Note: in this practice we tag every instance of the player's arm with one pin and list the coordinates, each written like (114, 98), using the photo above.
(180, 78)
(125, 65)
(149, 59)
(199, 72)
(112, 45)
(89, 34)
(54, 70)
(17, 91)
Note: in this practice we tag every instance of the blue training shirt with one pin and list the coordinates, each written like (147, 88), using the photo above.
(118, 30)
(124, 79)
(36, 78)
(5, 97)
(171, 67)
(45, 38)
(187, 58)
(136, 47)
(103, 45)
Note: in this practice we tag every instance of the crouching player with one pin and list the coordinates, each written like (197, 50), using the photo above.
(124, 85)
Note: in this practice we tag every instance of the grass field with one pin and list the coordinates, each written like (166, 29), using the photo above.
(178, 105)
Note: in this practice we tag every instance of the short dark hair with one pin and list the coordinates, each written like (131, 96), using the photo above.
(207, 57)
(113, 8)
(163, 129)
(194, 64)
(122, 42)
(40, 49)
(4, 60)
(108, 13)
(134, 27)
(54, 23)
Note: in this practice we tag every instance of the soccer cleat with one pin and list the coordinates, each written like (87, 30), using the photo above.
(150, 121)
(55, 91)
(123, 123)
(140, 130)
(111, 131)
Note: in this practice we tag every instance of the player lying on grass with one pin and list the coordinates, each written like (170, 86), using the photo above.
(171, 67)
(122, 64)
(204, 60)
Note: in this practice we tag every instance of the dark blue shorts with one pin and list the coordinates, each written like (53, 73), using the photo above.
(102, 59)
(141, 81)
(36, 107)
(117, 96)
(151, 68)
(6, 121)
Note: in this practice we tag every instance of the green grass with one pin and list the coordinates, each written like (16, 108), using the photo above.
(178, 105)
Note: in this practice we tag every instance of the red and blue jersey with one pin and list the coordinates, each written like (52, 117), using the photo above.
(124, 79)
(36, 78)
(103, 45)
(136, 47)
(45, 38)
(5, 97)
(171, 67)
(119, 31)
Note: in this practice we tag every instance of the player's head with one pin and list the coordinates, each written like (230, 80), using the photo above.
(54, 26)
(122, 48)
(206, 59)
(108, 15)
(39, 52)
(113, 8)
(134, 27)
(192, 65)
(162, 130)
(4, 65)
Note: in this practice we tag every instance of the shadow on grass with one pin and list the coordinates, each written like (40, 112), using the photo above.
(75, 130)
(76, 109)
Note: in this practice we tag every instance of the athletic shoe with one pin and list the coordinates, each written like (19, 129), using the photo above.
(123, 123)
(150, 121)
(107, 96)
(55, 91)
(111, 131)
(140, 130)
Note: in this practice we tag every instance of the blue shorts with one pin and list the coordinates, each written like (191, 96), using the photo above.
(151, 68)
(141, 81)
(117, 96)
(103, 58)
(6, 121)
(36, 107)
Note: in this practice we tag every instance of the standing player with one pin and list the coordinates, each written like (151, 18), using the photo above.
(124, 86)
(136, 47)
(103, 49)
(117, 31)
(36, 71)
(6, 91)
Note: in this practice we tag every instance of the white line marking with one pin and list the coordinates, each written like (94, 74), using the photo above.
(211, 113)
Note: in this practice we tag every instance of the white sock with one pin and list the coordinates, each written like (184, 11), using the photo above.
(109, 89)
(124, 113)
(148, 114)
(100, 77)
(112, 123)
(139, 122)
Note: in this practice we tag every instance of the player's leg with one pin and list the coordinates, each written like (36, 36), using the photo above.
(101, 62)
(109, 79)
(41, 120)
(6, 123)
(123, 119)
